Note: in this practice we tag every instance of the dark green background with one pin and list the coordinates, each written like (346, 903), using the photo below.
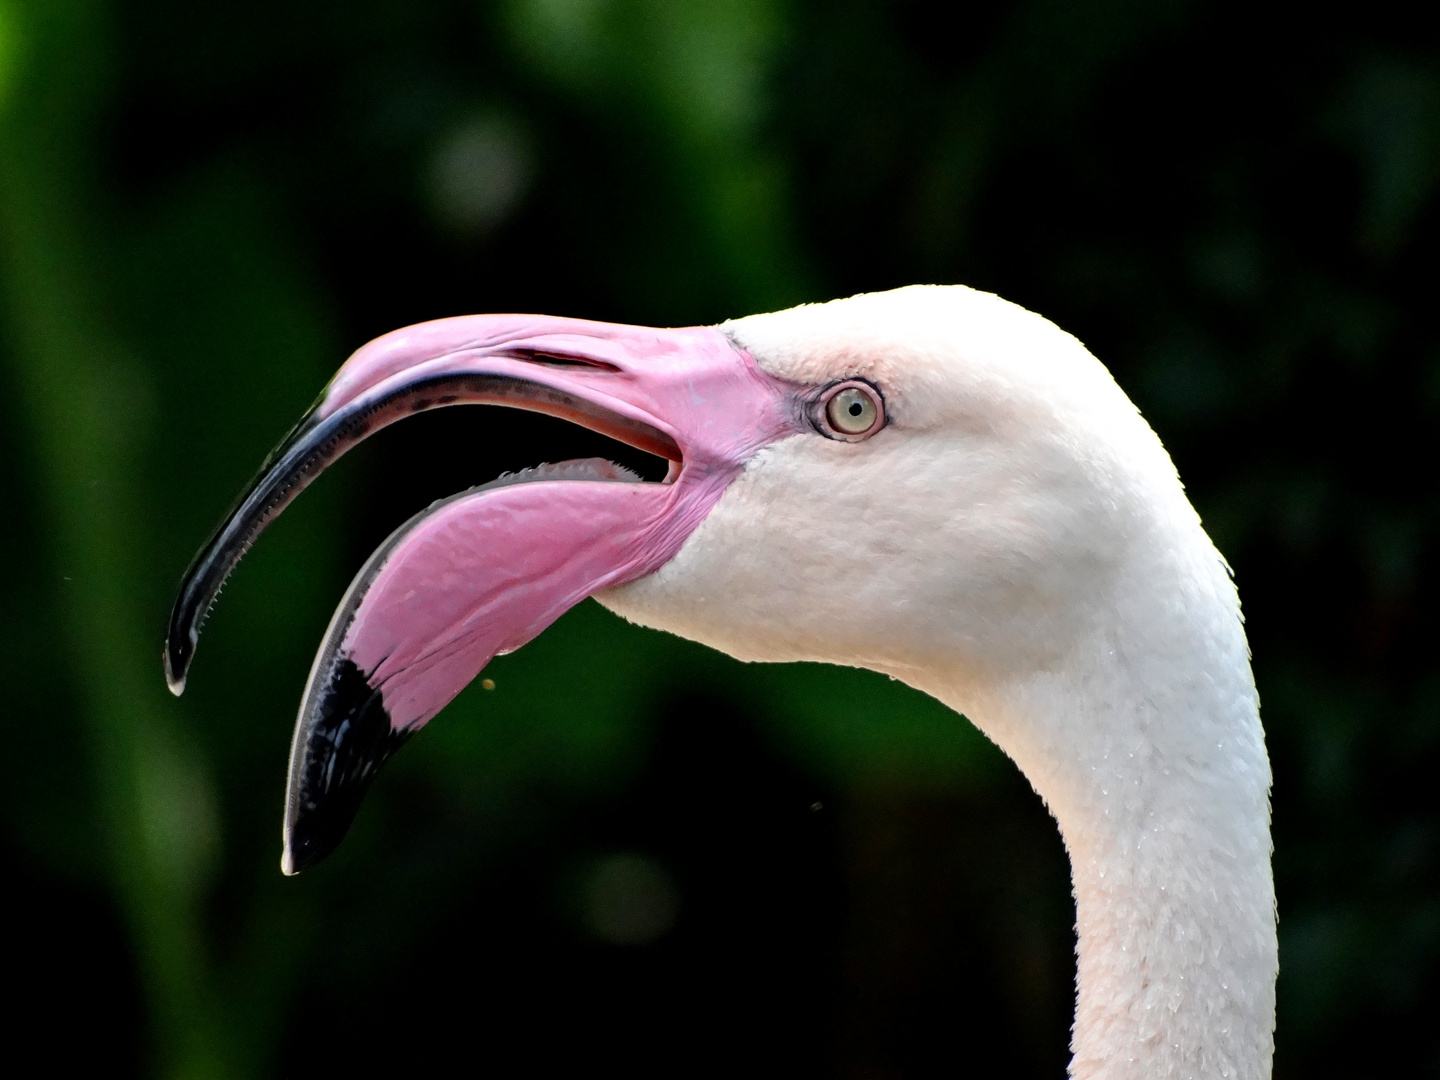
(205, 207)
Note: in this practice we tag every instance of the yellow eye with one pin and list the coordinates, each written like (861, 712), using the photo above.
(854, 410)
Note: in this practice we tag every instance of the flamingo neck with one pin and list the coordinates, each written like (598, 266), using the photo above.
(1147, 747)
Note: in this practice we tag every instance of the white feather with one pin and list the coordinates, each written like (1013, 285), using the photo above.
(1016, 542)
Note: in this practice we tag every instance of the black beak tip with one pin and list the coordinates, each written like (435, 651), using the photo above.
(307, 845)
(177, 665)
(317, 827)
(342, 740)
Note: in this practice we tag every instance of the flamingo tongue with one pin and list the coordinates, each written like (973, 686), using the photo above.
(475, 575)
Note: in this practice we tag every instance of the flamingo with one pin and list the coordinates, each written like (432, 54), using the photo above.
(930, 482)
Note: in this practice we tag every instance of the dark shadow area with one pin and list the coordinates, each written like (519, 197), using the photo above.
(689, 925)
(725, 913)
(76, 994)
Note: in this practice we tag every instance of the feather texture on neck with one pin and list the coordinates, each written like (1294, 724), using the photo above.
(1017, 543)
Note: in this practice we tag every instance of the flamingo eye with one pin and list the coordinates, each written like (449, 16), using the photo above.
(854, 411)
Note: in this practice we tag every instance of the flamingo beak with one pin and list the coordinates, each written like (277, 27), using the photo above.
(483, 572)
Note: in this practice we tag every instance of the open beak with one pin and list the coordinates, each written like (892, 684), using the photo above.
(483, 572)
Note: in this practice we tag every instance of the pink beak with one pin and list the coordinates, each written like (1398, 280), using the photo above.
(485, 571)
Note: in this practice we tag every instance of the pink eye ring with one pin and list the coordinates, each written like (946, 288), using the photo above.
(851, 411)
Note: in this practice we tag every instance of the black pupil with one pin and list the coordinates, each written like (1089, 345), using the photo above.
(856, 408)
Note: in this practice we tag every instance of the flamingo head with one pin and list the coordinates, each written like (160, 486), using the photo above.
(880, 482)
(484, 571)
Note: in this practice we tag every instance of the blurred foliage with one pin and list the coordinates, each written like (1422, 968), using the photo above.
(204, 207)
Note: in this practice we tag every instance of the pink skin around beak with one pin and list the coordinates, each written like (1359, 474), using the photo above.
(485, 571)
